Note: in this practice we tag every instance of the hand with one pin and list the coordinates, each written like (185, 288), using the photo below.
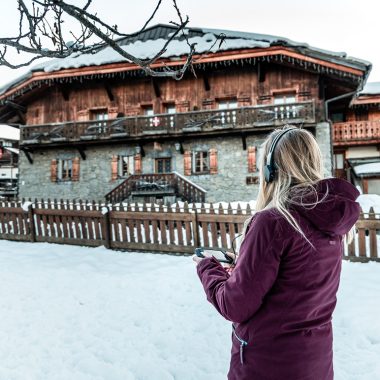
(229, 267)
(197, 259)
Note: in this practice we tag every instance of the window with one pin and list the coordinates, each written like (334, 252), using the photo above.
(170, 108)
(361, 114)
(126, 166)
(284, 98)
(201, 162)
(226, 104)
(339, 161)
(163, 165)
(284, 111)
(65, 170)
(101, 116)
(337, 117)
(148, 111)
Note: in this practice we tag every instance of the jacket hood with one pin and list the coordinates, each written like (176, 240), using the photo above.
(338, 211)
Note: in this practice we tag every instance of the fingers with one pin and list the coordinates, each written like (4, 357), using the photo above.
(196, 259)
(232, 255)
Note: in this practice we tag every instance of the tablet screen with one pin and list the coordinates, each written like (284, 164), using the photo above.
(219, 255)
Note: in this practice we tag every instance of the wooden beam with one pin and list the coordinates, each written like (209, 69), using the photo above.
(206, 83)
(244, 141)
(65, 93)
(82, 153)
(109, 92)
(28, 156)
(261, 72)
(156, 88)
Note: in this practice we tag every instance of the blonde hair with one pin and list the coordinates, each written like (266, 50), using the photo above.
(299, 164)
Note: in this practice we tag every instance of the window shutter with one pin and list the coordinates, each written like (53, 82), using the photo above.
(187, 163)
(114, 165)
(76, 164)
(251, 159)
(137, 163)
(213, 161)
(53, 171)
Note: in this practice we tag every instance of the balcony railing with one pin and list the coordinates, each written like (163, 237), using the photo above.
(157, 184)
(170, 124)
(356, 132)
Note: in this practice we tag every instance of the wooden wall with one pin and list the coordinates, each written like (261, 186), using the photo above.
(73, 102)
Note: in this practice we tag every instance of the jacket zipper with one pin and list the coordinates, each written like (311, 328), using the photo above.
(242, 344)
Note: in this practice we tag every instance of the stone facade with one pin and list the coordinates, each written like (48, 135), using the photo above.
(95, 181)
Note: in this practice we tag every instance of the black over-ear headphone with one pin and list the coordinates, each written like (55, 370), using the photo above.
(270, 167)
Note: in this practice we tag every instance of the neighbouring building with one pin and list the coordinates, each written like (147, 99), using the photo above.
(9, 153)
(95, 126)
(356, 139)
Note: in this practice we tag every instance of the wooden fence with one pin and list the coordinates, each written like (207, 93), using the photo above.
(176, 229)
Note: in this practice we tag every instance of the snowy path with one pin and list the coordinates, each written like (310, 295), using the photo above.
(86, 314)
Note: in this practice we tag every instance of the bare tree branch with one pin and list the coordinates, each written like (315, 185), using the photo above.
(41, 34)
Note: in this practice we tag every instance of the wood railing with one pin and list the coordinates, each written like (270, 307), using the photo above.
(169, 124)
(354, 132)
(177, 228)
(157, 183)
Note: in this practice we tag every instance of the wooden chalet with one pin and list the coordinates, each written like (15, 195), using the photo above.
(95, 126)
(356, 139)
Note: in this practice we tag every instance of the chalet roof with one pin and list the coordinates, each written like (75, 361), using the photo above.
(147, 43)
(365, 167)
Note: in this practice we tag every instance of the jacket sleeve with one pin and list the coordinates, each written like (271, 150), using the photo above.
(238, 296)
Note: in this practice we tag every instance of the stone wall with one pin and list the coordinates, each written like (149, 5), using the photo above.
(229, 184)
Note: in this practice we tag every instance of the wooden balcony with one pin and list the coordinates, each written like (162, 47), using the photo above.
(356, 133)
(168, 125)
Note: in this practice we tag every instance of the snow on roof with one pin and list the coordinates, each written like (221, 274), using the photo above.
(9, 133)
(371, 88)
(145, 45)
(371, 168)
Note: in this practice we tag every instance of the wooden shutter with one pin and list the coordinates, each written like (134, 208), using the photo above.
(187, 163)
(251, 159)
(213, 161)
(53, 170)
(76, 164)
(137, 163)
(114, 165)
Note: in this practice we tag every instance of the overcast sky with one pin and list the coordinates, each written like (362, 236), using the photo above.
(338, 25)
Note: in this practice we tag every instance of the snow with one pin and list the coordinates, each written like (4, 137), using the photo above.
(25, 206)
(369, 200)
(9, 133)
(81, 313)
(371, 88)
(373, 167)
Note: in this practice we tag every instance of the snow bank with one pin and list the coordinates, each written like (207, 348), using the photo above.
(79, 313)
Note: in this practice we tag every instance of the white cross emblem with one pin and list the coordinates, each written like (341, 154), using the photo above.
(156, 121)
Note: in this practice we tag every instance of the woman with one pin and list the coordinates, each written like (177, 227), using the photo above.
(281, 294)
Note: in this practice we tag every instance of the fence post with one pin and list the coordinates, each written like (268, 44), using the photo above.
(32, 227)
(106, 227)
(194, 222)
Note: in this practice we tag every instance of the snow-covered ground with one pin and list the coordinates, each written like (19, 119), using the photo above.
(80, 313)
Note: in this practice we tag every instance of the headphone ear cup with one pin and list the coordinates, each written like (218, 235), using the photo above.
(268, 173)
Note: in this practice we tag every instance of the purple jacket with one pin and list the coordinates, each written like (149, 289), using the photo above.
(282, 293)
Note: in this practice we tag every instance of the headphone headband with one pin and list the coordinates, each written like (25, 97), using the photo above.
(269, 170)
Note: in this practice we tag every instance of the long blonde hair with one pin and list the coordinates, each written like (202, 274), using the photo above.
(299, 164)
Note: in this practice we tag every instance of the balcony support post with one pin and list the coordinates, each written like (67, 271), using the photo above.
(82, 152)
(28, 156)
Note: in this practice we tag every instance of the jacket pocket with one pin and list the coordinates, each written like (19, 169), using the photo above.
(242, 342)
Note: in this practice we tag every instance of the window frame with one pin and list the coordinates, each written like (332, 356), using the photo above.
(204, 162)
(65, 175)
(164, 161)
